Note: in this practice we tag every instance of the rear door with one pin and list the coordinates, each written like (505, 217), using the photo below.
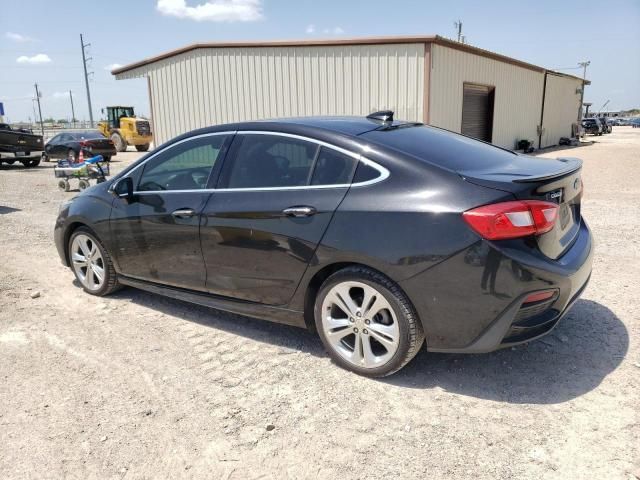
(274, 201)
(156, 236)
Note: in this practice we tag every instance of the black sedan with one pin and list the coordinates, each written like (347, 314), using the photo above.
(379, 235)
(68, 145)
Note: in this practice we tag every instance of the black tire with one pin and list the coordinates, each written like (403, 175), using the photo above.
(64, 185)
(45, 157)
(142, 148)
(411, 336)
(118, 141)
(110, 283)
(83, 184)
(107, 158)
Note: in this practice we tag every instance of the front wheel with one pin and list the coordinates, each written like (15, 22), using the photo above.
(366, 323)
(91, 263)
(119, 142)
(142, 148)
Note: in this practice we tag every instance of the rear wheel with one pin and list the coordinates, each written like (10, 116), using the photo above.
(45, 157)
(83, 184)
(119, 142)
(366, 323)
(142, 148)
(31, 163)
(91, 263)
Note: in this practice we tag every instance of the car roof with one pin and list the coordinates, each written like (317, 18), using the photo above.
(339, 124)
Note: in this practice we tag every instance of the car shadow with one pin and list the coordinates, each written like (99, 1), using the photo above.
(4, 210)
(588, 344)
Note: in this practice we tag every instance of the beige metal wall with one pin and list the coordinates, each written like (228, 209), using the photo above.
(220, 85)
(561, 103)
(518, 93)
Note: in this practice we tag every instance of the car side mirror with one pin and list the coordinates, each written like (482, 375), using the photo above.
(123, 188)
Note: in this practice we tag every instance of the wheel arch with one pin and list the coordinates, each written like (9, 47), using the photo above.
(73, 226)
(319, 277)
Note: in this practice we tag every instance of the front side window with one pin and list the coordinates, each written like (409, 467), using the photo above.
(186, 166)
(267, 161)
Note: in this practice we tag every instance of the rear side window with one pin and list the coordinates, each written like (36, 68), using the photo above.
(365, 173)
(267, 161)
(332, 168)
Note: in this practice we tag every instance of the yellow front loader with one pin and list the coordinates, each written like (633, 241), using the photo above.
(124, 129)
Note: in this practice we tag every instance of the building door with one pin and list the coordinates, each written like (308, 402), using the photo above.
(477, 111)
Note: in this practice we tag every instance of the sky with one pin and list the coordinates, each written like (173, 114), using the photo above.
(40, 40)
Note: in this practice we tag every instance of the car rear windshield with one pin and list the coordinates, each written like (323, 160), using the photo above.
(88, 135)
(441, 147)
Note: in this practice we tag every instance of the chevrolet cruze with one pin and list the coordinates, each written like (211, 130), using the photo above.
(382, 236)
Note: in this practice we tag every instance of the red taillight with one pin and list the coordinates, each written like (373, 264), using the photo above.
(84, 143)
(512, 219)
(539, 296)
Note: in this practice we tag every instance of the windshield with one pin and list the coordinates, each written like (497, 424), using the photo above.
(120, 112)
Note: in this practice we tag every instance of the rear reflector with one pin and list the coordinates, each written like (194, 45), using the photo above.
(512, 219)
(539, 296)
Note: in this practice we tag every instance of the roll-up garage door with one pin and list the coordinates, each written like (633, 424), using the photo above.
(477, 111)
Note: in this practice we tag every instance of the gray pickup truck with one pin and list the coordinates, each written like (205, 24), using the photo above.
(20, 145)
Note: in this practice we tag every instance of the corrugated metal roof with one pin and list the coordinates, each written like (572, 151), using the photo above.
(337, 42)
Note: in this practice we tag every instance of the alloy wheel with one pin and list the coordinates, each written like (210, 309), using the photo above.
(360, 324)
(87, 262)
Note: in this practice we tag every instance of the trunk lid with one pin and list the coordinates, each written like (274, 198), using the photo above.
(99, 144)
(530, 178)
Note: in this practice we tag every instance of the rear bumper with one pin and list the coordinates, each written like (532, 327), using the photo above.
(473, 302)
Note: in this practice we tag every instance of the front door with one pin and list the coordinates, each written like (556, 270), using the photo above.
(261, 227)
(156, 236)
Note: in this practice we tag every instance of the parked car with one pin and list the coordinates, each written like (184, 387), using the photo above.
(592, 126)
(67, 145)
(375, 233)
(19, 145)
(606, 127)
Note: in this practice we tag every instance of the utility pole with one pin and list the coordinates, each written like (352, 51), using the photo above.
(584, 66)
(39, 110)
(458, 25)
(86, 77)
(73, 113)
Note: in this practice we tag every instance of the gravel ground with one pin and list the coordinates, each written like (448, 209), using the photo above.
(140, 386)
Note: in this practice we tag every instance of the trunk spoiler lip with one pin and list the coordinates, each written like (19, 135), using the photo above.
(573, 165)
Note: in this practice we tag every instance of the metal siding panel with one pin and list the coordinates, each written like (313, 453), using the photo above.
(518, 93)
(223, 85)
(561, 105)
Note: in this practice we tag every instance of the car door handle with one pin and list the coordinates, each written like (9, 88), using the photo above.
(302, 211)
(184, 213)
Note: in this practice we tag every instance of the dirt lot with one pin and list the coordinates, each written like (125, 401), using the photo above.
(139, 386)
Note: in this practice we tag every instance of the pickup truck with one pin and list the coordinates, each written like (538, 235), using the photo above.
(20, 145)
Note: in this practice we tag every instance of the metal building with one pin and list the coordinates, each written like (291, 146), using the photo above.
(427, 78)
